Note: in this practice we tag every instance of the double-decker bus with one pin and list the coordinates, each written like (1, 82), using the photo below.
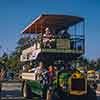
(57, 37)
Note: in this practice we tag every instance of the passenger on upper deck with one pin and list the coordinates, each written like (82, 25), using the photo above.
(63, 33)
(48, 38)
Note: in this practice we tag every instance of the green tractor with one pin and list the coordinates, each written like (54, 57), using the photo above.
(32, 87)
(66, 82)
(71, 82)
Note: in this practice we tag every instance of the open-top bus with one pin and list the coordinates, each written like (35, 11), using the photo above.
(66, 42)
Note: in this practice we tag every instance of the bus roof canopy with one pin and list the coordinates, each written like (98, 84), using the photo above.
(51, 20)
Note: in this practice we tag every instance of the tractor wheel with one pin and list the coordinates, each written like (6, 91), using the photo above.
(27, 93)
(24, 89)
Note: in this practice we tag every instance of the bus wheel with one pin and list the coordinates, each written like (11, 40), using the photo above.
(24, 89)
(27, 93)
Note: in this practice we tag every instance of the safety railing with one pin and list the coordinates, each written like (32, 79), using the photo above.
(74, 42)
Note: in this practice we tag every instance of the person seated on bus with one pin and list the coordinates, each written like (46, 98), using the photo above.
(40, 70)
(63, 33)
(48, 38)
(51, 73)
(32, 70)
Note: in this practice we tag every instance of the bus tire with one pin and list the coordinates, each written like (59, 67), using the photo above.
(27, 92)
(24, 89)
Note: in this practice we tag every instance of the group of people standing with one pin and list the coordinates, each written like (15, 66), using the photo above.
(46, 73)
(46, 76)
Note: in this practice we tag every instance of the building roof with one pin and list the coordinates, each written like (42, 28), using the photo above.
(51, 20)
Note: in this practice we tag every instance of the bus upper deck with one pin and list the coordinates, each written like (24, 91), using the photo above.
(55, 34)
